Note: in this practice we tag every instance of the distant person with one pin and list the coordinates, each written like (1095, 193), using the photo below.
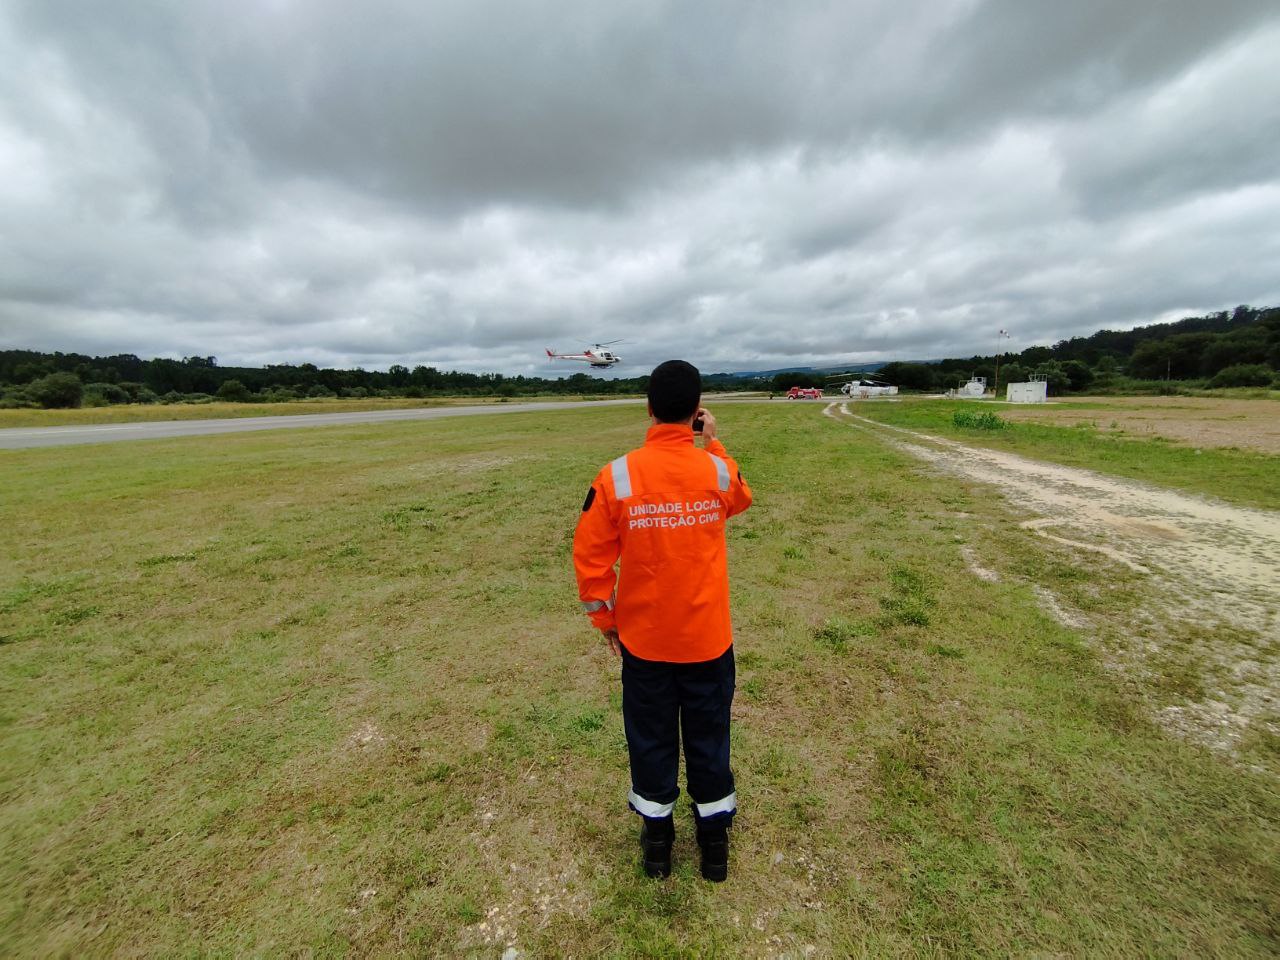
(661, 510)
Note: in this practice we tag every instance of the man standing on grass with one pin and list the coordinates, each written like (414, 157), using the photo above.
(661, 510)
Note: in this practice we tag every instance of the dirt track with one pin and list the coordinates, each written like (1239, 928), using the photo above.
(1212, 563)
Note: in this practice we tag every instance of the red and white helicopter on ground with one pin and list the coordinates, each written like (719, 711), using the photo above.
(598, 357)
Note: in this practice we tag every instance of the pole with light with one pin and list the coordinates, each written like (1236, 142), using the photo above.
(1005, 335)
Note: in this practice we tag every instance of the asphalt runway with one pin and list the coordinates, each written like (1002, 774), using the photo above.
(22, 438)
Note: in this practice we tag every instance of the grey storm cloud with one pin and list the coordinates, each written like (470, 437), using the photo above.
(744, 184)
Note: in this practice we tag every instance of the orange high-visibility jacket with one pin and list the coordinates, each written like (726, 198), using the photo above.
(662, 510)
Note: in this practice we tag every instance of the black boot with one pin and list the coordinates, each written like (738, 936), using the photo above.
(656, 836)
(713, 841)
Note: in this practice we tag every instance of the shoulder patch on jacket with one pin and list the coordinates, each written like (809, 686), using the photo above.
(591, 498)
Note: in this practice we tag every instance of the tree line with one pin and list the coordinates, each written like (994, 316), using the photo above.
(31, 378)
(1240, 348)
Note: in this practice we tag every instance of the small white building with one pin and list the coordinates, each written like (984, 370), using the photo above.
(1033, 391)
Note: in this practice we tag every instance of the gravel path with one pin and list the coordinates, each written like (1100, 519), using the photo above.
(1215, 564)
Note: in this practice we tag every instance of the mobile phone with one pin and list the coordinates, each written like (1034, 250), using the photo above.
(697, 424)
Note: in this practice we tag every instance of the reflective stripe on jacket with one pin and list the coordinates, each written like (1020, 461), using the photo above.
(661, 509)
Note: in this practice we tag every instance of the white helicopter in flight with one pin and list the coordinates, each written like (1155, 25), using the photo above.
(598, 357)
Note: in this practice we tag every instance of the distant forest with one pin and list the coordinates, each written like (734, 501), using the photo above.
(1240, 348)
(28, 378)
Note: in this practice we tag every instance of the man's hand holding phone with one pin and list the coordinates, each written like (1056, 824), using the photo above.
(704, 424)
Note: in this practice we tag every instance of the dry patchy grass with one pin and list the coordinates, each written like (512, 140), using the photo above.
(1246, 477)
(1247, 424)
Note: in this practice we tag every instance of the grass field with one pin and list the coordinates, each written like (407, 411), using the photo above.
(1247, 477)
(328, 692)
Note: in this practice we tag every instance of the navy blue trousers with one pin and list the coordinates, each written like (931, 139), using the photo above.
(660, 703)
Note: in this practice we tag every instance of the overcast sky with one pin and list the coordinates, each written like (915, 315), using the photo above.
(743, 184)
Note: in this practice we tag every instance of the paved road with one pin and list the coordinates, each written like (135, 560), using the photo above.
(19, 438)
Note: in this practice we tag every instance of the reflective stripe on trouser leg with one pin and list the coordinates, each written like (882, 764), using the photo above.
(728, 804)
(651, 719)
(647, 808)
